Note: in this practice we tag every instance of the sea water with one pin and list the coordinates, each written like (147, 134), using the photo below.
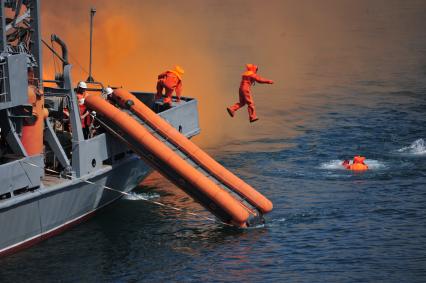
(349, 80)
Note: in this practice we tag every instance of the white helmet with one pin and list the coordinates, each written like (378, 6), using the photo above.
(82, 85)
(108, 91)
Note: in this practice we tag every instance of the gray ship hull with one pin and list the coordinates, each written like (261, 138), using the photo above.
(47, 212)
(58, 204)
(42, 137)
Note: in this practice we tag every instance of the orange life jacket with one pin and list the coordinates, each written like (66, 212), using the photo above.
(358, 167)
(358, 164)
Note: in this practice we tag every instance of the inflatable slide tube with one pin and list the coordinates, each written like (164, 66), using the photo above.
(208, 163)
(159, 150)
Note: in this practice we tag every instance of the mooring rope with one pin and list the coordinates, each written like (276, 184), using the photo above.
(131, 195)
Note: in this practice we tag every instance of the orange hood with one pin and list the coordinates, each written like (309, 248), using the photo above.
(178, 71)
(359, 159)
(251, 69)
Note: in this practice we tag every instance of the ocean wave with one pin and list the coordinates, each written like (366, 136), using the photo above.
(418, 147)
(140, 196)
(332, 165)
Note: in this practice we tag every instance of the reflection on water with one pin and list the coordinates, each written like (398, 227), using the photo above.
(170, 193)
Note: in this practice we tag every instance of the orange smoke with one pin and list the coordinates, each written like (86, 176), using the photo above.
(305, 47)
(132, 46)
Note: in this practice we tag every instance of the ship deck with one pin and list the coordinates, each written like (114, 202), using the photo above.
(52, 179)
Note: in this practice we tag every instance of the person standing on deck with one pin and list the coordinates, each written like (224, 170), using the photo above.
(84, 113)
(170, 80)
(107, 92)
(249, 78)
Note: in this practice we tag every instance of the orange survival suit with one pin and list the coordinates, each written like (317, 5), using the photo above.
(170, 80)
(249, 78)
(357, 164)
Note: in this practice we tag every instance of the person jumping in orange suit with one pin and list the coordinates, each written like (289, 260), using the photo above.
(170, 80)
(249, 78)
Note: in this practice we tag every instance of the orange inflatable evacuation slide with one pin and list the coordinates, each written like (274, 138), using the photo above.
(219, 201)
(208, 163)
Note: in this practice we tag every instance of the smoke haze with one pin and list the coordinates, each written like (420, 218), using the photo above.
(306, 47)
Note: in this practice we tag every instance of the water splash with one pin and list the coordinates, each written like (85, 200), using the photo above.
(336, 164)
(418, 147)
(375, 164)
(332, 165)
(276, 222)
(257, 226)
(140, 196)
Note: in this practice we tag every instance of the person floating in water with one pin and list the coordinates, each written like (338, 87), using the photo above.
(249, 78)
(170, 80)
(357, 164)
